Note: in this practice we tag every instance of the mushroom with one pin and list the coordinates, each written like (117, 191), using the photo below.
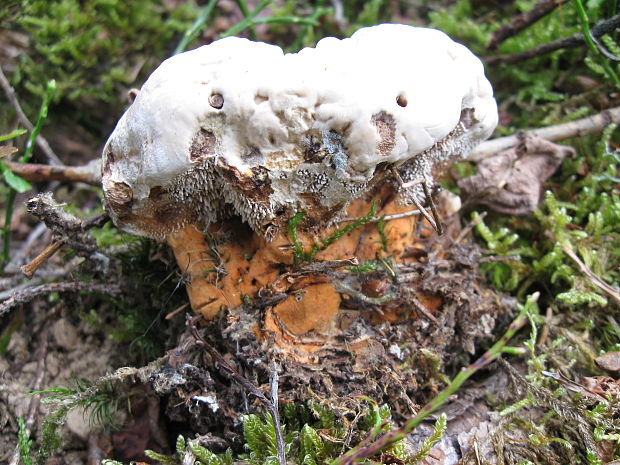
(238, 129)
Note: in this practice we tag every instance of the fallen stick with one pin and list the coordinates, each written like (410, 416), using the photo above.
(574, 41)
(26, 295)
(580, 127)
(34, 172)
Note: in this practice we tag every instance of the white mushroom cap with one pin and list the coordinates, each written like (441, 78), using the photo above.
(239, 124)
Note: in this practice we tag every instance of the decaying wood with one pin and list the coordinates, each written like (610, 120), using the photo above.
(30, 268)
(522, 21)
(580, 127)
(576, 40)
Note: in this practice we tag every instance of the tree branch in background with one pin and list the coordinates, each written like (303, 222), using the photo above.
(580, 127)
(522, 21)
(574, 41)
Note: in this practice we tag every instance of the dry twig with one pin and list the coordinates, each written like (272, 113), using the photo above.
(26, 295)
(574, 41)
(594, 279)
(52, 158)
(522, 21)
(34, 172)
(580, 127)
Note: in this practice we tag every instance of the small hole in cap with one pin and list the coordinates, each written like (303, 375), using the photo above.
(401, 100)
(216, 101)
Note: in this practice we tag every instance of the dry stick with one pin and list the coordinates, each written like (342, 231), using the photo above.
(574, 41)
(30, 268)
(34, 172)
(598, 282)
(375, 219)
(580, 127)
(52, 158)
(522, 21)
(235, 375)
(26, 295)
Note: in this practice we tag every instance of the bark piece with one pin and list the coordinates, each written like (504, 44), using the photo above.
(511, 181)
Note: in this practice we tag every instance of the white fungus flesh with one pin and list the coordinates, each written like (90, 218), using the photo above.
(239, 127)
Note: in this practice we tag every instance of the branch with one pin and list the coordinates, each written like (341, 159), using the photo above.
(580, 127)
(522, 21)
(574, 41)
(52, 158)
(34, 172)
(26, 295)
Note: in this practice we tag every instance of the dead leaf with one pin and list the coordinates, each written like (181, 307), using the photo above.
(609, 361)
(511, 181)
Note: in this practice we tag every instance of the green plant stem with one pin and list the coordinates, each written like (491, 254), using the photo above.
(192, 32)
(357, 454)
(587, 36)
(8, 214)
(248, 20)
(245, 11)
(285, 19)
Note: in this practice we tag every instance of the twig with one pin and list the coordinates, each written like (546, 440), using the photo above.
(26, 295)
(580, 127)
(466, 230)
(375, 219)
(598, 282)
(34, 172)
(574, 41)
(235, 375)
(423, 310)
(357, 454)
(52, 158)
(273, 382)
(344, 289)
(30, 268)
(522, 21)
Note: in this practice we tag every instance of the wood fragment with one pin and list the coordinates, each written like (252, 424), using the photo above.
(523, 21)
(30, 268)
(573, 41)
(580, 127)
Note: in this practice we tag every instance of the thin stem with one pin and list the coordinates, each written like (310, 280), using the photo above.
(587, 35)
(245, 11)
(8, 214)
(192, 32)
(248, 20)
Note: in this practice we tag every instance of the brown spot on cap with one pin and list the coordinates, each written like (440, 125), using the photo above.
(203, 145)
(386, 128)
(402, 101)
(216, 101)
(120, 196)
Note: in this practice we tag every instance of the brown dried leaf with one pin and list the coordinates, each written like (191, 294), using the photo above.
(609, 361)
(511, 181)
